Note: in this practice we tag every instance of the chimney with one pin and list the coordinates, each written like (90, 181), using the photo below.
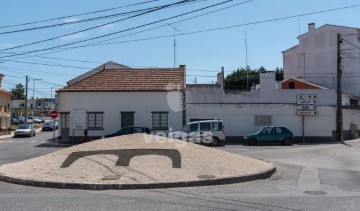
(1, 77)
(220, 78)
(311, 27)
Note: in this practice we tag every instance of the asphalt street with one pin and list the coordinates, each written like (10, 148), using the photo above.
(308, 177)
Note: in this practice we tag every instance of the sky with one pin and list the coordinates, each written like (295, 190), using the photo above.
(208, 36)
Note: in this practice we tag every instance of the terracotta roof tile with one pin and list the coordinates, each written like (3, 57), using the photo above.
(154, 79)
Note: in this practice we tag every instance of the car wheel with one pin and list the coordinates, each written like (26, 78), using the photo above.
(215, 141)
(287, 141)
(34, 133)
(252, 142)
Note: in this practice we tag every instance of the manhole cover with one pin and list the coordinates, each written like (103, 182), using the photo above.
(206, 177)
(111, 177)
(315, 192)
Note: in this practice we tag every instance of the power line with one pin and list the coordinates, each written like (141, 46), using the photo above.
(208, 30)
(87, 20)
(351, 44)
(76, 15)
(98, 26)
(128, 29)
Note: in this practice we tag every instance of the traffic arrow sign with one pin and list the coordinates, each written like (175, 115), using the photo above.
(306, 107)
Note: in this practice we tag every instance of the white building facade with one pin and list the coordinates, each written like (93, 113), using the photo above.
(115, 96)
(315, 57)
(247, 112)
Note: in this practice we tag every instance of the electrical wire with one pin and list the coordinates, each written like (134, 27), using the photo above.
(125, 30)
(76, 15)
(98, 26)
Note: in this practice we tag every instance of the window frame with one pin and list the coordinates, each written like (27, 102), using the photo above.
(159, 127)
(95, 120)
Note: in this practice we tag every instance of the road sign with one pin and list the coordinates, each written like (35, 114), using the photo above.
(307, 113)
(306, 102)
(306, 96)
(306, 107)
(54, 114)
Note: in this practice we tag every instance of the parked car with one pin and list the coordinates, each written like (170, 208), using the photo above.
(15, 121)
(271, 134)
(41, 118)
(129, 130)
(50, 126)
(22, 120)
(208, 132)
(25, 130)
(35, 119)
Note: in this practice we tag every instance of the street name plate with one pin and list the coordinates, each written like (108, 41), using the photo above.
(306, 102)
(307, 113)
(306, 96)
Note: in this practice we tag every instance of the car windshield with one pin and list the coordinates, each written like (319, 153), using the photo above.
(24, 127)
(48, 123)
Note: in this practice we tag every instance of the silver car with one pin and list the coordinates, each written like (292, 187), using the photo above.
(25, 130)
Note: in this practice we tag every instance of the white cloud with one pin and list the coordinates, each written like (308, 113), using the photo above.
(75, 36)
(7, 45)
(106, 28)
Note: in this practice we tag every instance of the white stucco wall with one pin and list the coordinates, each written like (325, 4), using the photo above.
(112, 103)
(239, 119)
(317, 50)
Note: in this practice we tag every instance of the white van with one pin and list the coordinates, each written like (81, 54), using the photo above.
(207, 132)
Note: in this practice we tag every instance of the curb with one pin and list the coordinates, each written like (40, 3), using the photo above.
(223, 181)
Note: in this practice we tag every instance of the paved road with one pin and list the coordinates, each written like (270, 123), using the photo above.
(316, 177)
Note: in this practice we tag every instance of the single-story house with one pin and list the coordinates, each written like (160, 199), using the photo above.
(113, 96)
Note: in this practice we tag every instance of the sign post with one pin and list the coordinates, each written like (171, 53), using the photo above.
(306, 106)
(54, 115)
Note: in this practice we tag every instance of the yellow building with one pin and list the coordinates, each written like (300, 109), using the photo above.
(5, 106)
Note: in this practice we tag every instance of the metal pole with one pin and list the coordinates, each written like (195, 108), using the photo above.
(51, 98)
(26, 97)
(33, 100)
(54, 129)
(339, 120)
(303, 129)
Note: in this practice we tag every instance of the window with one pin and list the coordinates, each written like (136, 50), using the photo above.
(194, 127)
(138, 130)
(125, 131)
(291, 85)
(217, 126)
(278, 130)
(95, 120)
(160, 120)
(262, 120)
(267, 130)
(205, 126)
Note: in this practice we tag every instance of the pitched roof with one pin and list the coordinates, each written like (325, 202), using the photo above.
(305, 82)
(107, 66)
(129, 79)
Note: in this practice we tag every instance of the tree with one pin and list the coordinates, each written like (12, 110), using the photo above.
(243, 79)
(18, 92)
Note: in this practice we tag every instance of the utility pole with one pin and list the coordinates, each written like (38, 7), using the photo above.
(26, 97)
(34, 101)
(175, 30)
(339, 118)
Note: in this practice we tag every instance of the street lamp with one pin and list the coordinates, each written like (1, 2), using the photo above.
(51, 104)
